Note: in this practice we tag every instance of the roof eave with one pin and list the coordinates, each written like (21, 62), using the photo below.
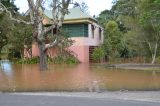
(80, 20)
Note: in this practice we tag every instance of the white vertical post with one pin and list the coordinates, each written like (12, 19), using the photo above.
(89, 31)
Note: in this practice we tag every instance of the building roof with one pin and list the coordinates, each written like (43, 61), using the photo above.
(74, 14)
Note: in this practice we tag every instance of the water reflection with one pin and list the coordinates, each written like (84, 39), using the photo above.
(6, 67)
(75, 77)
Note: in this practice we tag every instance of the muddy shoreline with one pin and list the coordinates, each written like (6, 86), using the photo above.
(135, 66)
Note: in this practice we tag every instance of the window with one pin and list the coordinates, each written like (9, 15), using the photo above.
(76, 30)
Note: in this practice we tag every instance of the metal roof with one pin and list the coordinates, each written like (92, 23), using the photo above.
(74, 13)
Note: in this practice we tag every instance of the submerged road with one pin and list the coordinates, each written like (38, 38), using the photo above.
(81, 99)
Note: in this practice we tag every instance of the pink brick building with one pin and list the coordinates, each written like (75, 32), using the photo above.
(83, 29)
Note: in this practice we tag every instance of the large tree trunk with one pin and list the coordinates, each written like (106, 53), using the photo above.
(43, 56)
(41, 44)
(153, 50)
(154, 54)
(153, 59)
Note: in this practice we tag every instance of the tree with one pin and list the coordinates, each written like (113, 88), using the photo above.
(150, 24)
(142, 17)
(126, 13)
(125, 7)
(5, 22)
(36, 12)
(20, 38)
(3, 31)
(110, 19)
(83, 6)
(59, 9)
(114, 34)
(105, 16)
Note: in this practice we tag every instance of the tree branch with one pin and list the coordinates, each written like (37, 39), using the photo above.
(55, 42)
(3, 8)
(47, 30)
(31, 4)
(39, 4)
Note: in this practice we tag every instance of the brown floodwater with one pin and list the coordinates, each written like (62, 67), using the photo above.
(81, 77)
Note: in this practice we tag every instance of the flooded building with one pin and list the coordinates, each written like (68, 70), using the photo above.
(83, 29)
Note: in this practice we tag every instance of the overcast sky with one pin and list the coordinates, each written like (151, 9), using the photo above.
(95, 6)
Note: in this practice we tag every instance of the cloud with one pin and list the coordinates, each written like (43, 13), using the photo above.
(95, 6)
(22, 5)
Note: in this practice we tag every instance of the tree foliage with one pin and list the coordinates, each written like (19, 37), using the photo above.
(138, 31)
(21, 36)
(6, 25)
(13, 34)
(98, 54)
(115, 36)
(149, 19)
(4, 30)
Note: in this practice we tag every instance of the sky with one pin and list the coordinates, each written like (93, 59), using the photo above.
(95, 6)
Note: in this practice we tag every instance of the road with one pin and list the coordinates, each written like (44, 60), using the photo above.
(81, 99)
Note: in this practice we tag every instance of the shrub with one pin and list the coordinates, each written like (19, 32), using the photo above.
(98, 54)
(60, 59)
(33, 60)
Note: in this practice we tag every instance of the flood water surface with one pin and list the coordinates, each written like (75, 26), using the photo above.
(81, 77)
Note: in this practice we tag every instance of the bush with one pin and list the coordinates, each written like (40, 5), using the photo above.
(65, 60)
(98, 54)
(33, 60)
